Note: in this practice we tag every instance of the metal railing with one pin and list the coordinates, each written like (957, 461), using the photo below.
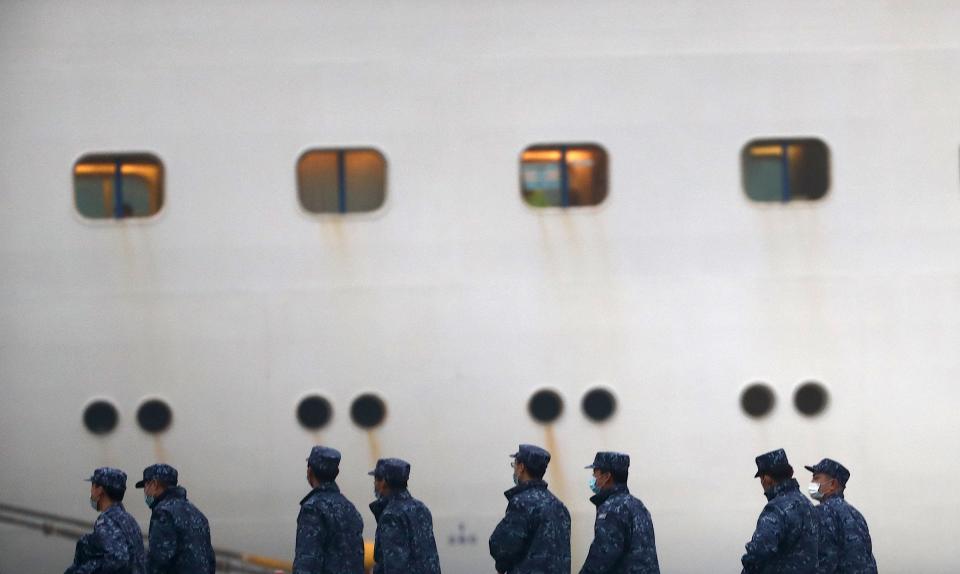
(71, 528)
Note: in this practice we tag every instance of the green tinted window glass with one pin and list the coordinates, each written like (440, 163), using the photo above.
(118, 186)
(784, 170)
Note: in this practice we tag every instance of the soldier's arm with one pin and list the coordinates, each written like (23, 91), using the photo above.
(163, 542)
(310, 534)
(609, 541)
(395, 541)
(828, 552)
(765, 542)
(84, 553)
(116, 556)
(854, 550)
(509, 539)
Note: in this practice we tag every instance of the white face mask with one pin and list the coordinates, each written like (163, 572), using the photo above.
(814, 490)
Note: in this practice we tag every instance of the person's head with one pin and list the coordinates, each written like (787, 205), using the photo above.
(157, 478)
(323, 465)
(829, 479)
(770, 479)
(391, 475)
(529, 463)
(107, 487)
(773, 468)
(609, 470)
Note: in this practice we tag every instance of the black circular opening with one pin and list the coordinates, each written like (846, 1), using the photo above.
(545, 406)
(368, 411)
(599, 405)
(811, 398)
(757, 400)
(314, 412)
(100, 417)
(154, 416)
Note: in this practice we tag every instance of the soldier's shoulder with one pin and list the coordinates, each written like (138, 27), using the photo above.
(539, 496)
(849, 512)
(635, 505)
(530, 499)
(333, 502)
(165, 509)
(618, 501)
(794, 502)
(418, 504)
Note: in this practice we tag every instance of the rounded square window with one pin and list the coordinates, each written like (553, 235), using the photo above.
(784, 170)
(342, 180)
(563, 175)
(118, 186)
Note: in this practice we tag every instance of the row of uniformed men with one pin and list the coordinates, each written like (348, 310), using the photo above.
(534, 535)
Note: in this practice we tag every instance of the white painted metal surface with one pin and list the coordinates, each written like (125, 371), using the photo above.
(456, 301)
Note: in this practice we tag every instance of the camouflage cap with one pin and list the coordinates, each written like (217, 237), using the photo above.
(772, 462)
(109, 477)
(391, 470)
(832, 468)
(324, 458)
(162, 472)
(533, 457)
(611, 462)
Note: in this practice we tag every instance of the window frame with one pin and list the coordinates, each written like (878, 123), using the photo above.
(131, 156)
(342, 151)
(565, 148)
(784, 142)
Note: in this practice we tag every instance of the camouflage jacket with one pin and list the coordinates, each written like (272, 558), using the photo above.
(404, 542)
(329, 534)
(785, 541)
(534, 535)
(179, 536)
(845, 546)
(114, 547)
(623, 540)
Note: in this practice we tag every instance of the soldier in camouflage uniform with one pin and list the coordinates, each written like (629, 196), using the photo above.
(785, 541)
(623, 540)
(404, 542)
(845, 546)
(179, 533)
(329, 528)
(116, 544)
(534, 536)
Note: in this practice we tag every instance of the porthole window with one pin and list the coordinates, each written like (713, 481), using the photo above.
(118, 186)
(563, 175)
(811, 398)
(100, 417)
(314, 412)
(757, 400)
(599, 405)
(368, 411)
(154, 416)
(342, 180)
(784, 170)
(545, 406)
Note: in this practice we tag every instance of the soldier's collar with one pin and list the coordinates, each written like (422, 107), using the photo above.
(598, 499)
(525, 486)
(785, 486)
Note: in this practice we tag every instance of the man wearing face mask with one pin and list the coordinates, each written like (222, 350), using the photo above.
(785, 541)
(329, 528)
(116, 543)
(179, 534)
(845, 546)
(623, 541)
(404, 542)
(534, 535)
